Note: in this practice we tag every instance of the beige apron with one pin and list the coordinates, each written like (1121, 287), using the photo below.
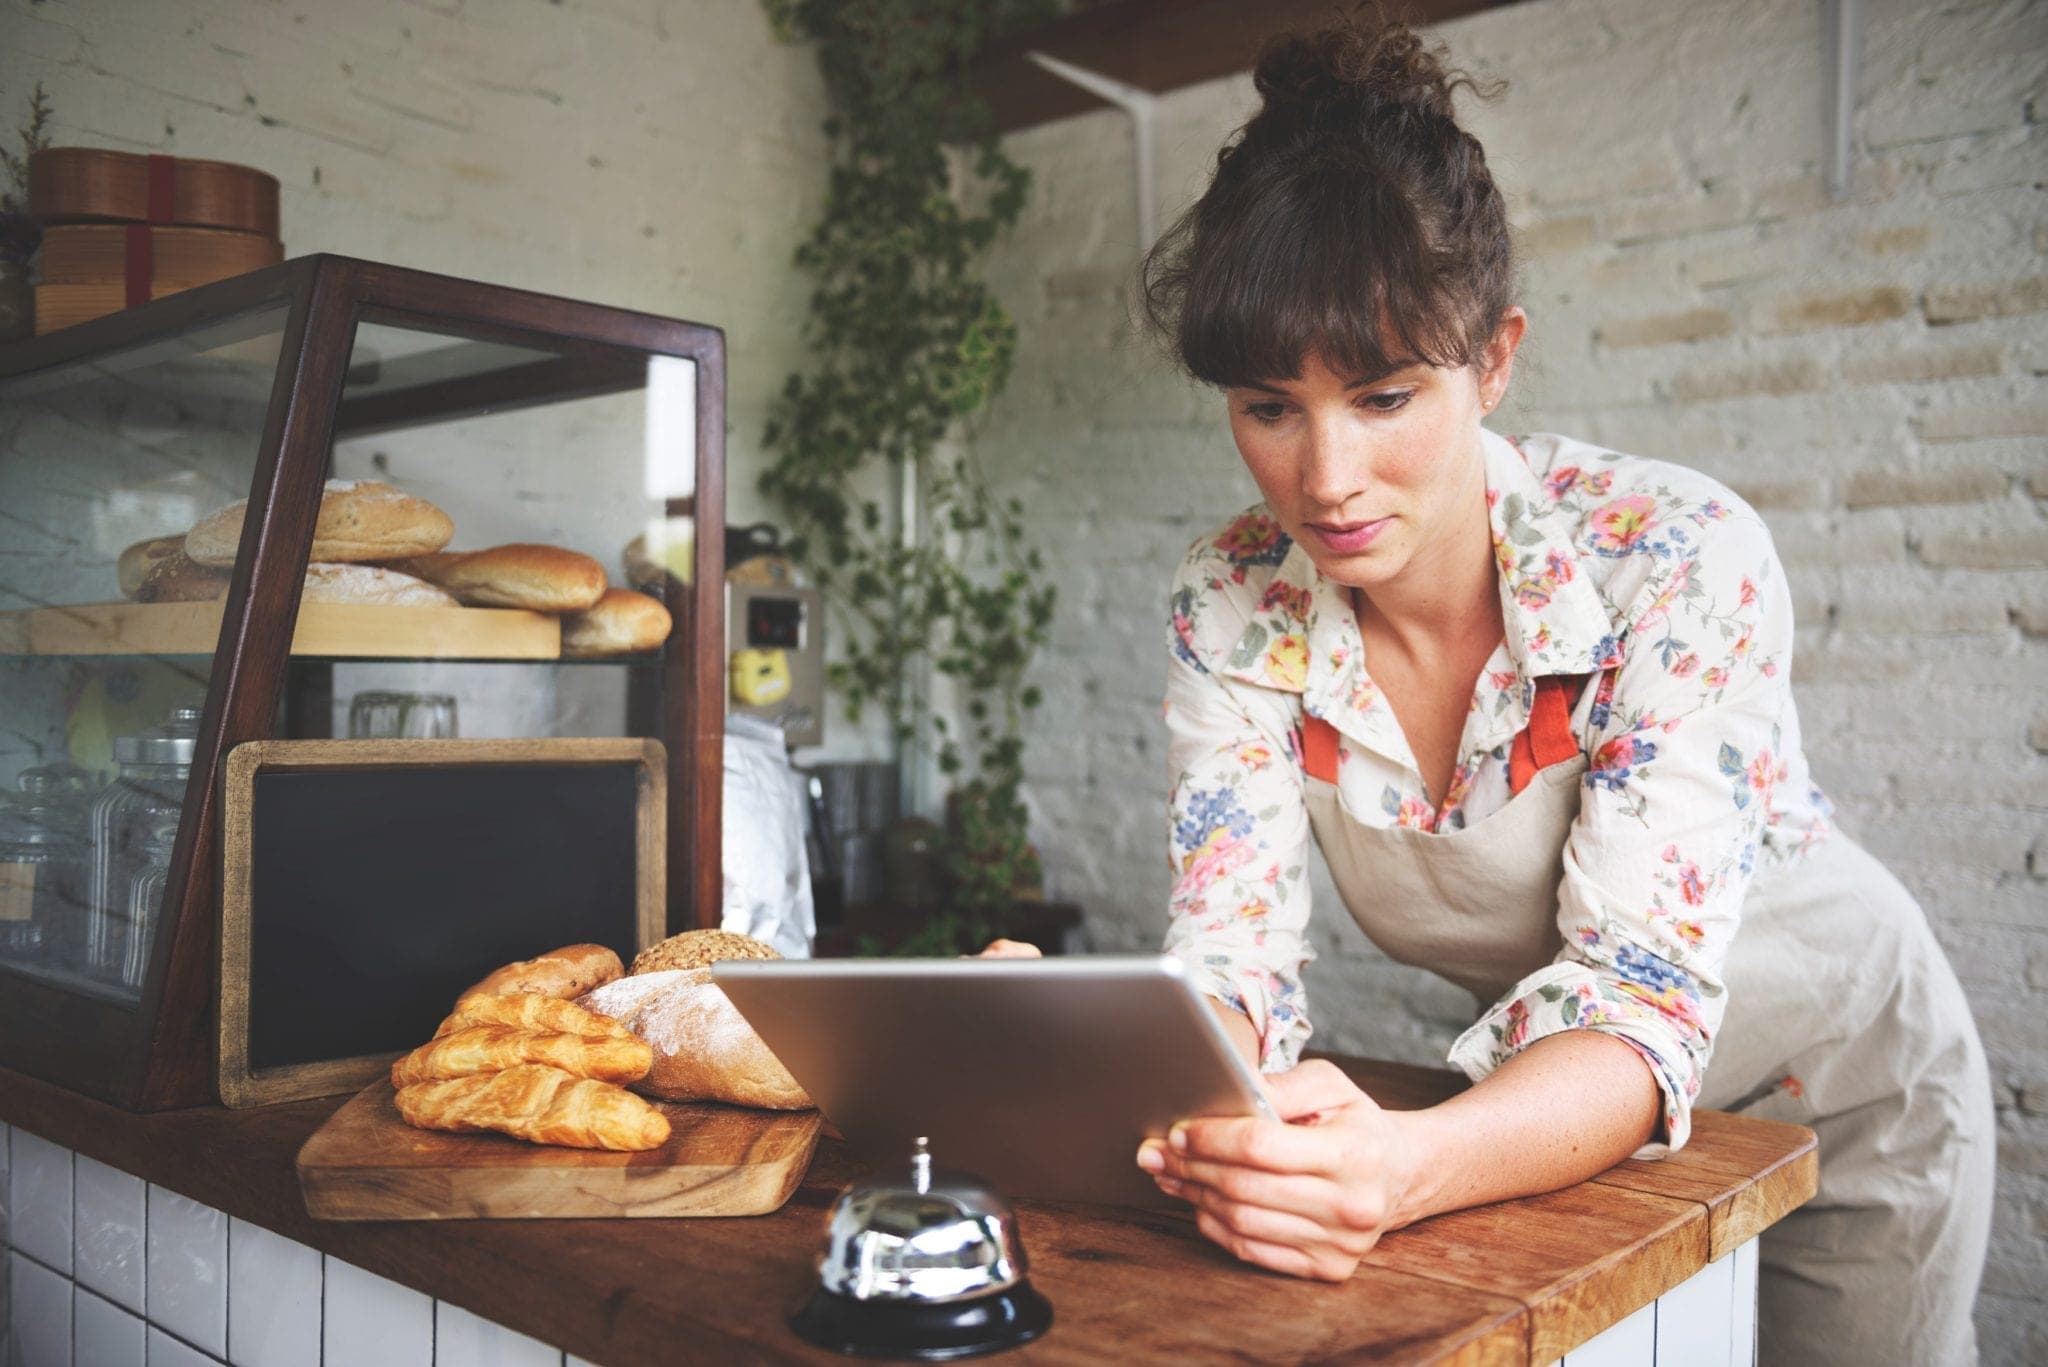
(1842, 1014)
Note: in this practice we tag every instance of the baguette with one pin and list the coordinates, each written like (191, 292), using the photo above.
(494, 1048)
(535, 1102)
(567, 973)
(538, 578)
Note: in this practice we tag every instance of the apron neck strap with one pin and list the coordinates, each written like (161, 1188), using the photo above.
(1547, 740)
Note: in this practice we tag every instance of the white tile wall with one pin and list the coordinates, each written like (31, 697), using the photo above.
(103, 1334)
(273, 1299)
(41, 1306)
(372, 1320)
(1693, 1320)
(6, 1197)
(1631, 1343)
(39, 1180)
(110, 1215)
(165, 1351)
(188, 1270)
(464, 1340)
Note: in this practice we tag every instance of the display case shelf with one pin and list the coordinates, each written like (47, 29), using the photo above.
(340, 631)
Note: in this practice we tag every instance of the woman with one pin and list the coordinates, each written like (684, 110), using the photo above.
(1532, 701)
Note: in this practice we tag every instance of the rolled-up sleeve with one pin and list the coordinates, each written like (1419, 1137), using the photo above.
(1238, 835)
(1686, 748)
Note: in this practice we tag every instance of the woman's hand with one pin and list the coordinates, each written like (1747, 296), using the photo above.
(1309, 1197)
(1008, 949)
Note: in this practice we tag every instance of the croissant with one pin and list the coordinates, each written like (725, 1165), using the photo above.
(494, 1048)
(527, 1011)
(538, 1103)
(567, 973)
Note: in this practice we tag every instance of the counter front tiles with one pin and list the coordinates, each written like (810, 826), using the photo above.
(373, 1319)
(109, 1239)
(103, 1334)
(274, 1299)
(187, 1270)
(39, 1186)
(39, 1304)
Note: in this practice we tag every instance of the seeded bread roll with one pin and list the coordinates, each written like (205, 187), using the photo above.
(622, 622)
(178, 579)
(137, 561)
(697, 948)
(539, 578)
(704, 1050)
(359, 520)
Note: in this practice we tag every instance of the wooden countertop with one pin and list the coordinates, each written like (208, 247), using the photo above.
(1519, 1282)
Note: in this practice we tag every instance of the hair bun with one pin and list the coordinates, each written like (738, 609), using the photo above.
(1368, 63)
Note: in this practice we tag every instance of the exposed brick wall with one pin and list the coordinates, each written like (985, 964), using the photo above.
(663, 155)
(1865, 370)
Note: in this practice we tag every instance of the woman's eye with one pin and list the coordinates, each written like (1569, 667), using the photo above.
(1388, 400)
(1265, 412)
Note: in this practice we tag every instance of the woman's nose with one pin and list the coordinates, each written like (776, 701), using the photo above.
(1333, 464)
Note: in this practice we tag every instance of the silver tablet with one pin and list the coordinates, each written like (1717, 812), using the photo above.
(1041, 1076)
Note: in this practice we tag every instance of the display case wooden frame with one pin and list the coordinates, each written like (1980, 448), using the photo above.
(159, 1054)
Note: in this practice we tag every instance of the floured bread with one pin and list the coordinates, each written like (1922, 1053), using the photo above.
(360, 519)
(704, 1050)
(371, 584)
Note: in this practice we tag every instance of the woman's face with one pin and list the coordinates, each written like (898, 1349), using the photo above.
(1374, 476)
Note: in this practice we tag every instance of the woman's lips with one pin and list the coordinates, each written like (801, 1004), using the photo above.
(1349, 538)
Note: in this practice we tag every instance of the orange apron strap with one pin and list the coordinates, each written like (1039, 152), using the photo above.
(1548, 739)
(1318, 748)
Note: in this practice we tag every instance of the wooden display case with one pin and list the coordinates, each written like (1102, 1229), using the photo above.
(262, 386)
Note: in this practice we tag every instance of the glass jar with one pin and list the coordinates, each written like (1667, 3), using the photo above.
(44, 859)
(130, 853)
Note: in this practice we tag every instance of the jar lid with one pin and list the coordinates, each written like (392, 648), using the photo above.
(170, 742)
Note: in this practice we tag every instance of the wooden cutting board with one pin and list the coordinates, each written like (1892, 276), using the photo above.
(366, 1163)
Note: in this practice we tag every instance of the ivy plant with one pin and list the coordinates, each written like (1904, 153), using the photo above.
(905, 344)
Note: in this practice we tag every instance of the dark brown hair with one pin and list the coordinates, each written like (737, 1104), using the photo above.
(1352, 217)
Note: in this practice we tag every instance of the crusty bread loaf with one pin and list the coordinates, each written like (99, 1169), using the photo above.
(135, 562)
(696, 948)
(567, 973)
(359, 520)
(539, 578)
(177, 578)
(542, 1104)
(494, 1048)
(530, 1011)
(621, 622)
(704, 1050)
(330, 583)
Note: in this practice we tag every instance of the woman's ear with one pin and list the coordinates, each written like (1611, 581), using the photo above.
(1497, 362)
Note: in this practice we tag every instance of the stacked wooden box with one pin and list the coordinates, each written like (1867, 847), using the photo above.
(121, 229)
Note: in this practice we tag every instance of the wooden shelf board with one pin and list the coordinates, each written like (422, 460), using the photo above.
(331, 630)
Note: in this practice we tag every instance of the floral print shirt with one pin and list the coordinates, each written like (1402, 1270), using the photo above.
(1649, 576)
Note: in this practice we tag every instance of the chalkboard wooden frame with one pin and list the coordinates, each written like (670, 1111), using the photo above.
(238, 1082)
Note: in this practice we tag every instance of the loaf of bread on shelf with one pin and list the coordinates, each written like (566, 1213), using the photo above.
(360, 520)
(567, 973)
(494, 1048)
(334, 583)
(622, 622)
(529, 1011)
(136, 561)
(699, 948)
(177, 578)
(538, 578)
(535, 1102)
(704, 1050)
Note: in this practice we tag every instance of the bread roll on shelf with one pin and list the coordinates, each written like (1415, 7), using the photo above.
(622, 622)
(327, 583)
(521, 575)
(360, 520)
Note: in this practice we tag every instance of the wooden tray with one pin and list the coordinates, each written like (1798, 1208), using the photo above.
(97, 253)
(366, 1163)
(93, 184)
(340, 630)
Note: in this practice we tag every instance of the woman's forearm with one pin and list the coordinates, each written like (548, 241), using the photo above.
(1569, 1106)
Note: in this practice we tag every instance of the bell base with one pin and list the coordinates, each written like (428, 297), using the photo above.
(931, 1332)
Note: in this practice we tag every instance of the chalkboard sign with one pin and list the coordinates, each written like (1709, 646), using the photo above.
(366, 883)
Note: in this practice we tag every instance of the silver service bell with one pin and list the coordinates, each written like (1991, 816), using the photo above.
(930, 1268)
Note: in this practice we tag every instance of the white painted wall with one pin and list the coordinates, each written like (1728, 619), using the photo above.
(1867, 372)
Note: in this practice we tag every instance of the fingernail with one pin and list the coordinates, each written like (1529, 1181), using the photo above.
(1149, 1156)
(1169, 1185)
(1178, 1137)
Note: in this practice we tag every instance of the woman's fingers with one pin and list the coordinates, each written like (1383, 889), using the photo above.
(1327, 1266)
(1313, 1199)
(1246, 1142)
(1315, 1086)
(1009, 949)
(1267, 1224)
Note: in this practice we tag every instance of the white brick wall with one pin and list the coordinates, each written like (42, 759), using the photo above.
(656, 154)
(1866, 371)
